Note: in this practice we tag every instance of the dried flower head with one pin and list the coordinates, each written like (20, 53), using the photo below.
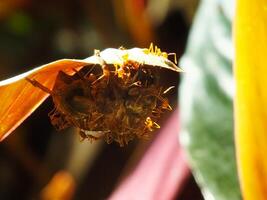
(113, 100)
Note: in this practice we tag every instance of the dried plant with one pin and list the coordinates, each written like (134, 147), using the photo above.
(116, 96)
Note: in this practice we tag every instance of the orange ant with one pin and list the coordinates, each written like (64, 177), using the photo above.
(154, 50)
(150, 124)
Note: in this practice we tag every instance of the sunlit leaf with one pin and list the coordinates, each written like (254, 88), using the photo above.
(19, 98)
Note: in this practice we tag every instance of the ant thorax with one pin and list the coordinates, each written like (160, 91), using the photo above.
(116, 103)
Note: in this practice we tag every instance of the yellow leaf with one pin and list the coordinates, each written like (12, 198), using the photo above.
(250, 35)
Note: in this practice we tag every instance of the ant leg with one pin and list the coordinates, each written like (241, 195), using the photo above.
(82, 75)
(174, 56)
(164, 101)
(39, 85)
(106, 73)
(79, 73)
(104, 66)
(137, 83)
(168, 89)
(89, 72)
(151, 48)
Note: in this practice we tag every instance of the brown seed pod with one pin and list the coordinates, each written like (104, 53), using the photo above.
(117, 96)
(118, 104)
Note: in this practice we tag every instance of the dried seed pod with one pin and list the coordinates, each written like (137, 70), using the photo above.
(116, 95)
(119, 104)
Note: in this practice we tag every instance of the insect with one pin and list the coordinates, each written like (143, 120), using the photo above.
(156, 51)
(111, 98)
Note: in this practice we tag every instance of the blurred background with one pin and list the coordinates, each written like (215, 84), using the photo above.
(36, 162)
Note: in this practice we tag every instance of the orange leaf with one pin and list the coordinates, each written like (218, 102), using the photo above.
(19, 98)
